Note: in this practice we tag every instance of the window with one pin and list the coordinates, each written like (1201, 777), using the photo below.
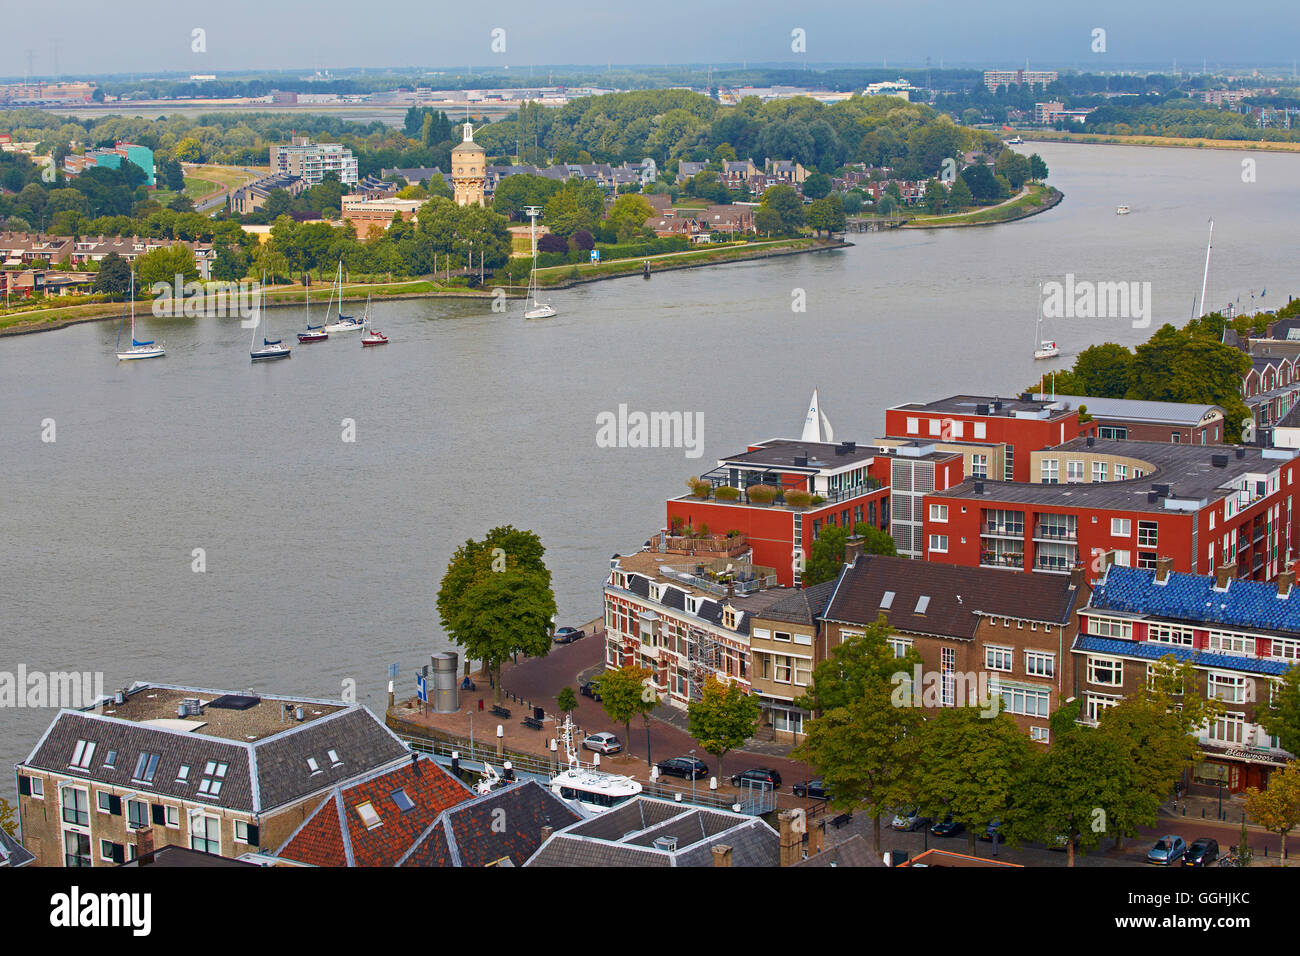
(1175, 437)
(938, 512)
(1040, 664)
(1148, 532)
(173, 817)
(403, 800)
(38, 785)
(1112, 432)
(1121, 471)
(802, 671)
(137, 813)
(1169, 634)
(979, 466)
(900, 645)
(214, 774)
(109, 803)
(313, 766)
(1106, 671)
(145, 767)
(1282, 650)
(939, 543)
(979, 429)
(335, 759)
(784, 669)
(1229, 729)
(1146, 559)
(1073, 471)
(1098, 471)
(76, 806)
(183, 774)
(76, 848)
(1025, 700)
(1231, 643)
(1051, 471)
(1108, 627)
(1121, 527)
(82, 755)
(1229, 688)
(1039, 735)
(246, 834)
(947, 665)
(110, 852)
(913, 426)
(1096, 704)
(205, 833)
(997, 658)
(781, 636)
(936, 427)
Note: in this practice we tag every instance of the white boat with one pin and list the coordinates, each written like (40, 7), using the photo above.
(1042, 349)
(592, 790)
(539, 310)
(138, 349)
(1121, 210)
(343, 323)
(1014, 141)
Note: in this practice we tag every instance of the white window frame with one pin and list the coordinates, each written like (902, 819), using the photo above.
(1121, 527)
(1106, 671)
(939, 543)
(939, 513)
(999, 657)
(1040, 663)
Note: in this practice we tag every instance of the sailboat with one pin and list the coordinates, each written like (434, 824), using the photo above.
(1042, 349)
(372, 336)
(314, 333)
(271, 348)
(345, 323)
(138, 349)
(540, 310)
(816, 426)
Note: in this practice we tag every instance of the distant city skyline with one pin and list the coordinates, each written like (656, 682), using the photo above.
(88, 39)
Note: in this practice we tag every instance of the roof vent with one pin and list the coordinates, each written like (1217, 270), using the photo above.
(1161, 490)
(1026, 396)
(1091, 441)
(666, 843)
(801, 461)
(979, 487)
(1241, 453)
(1219, 461)
(981, 409)
(1152, 497)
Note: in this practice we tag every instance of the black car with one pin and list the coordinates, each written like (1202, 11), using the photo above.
(689, 768)
(812, 788)
(948, 827)
(756, 776)
(567, 635)
(590, 689)
(1202, 852)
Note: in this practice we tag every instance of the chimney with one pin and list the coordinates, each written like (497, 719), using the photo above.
(1285, 582)
(546, 832)
(791, 840)
(1164, 567)
(1224, 575)
(1078, 576)
(143, 841)
(852, 550)
(722, 855)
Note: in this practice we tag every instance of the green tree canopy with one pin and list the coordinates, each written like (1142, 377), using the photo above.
(723, 718)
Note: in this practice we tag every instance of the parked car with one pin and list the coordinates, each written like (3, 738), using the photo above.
(909, 819)
(995, 826)
(567, 635)
(689, 768)
(1202, 852)
(590, 689)
(756, 776)
(948, 827)
(603, 743)
(814, 789)
(1167, 851)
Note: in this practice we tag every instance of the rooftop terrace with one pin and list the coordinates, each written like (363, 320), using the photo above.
(226, 715)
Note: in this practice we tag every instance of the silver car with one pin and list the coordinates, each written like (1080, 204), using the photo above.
(603, 743)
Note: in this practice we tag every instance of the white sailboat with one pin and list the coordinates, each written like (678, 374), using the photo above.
(138, 349)
(343, 323)
(539, 310)
(1042, 349)
(1121, 210)
(816, 426)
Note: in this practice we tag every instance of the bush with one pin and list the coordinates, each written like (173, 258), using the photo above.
(762, 494)
(727, 493)
(701, 490)
(797, 498)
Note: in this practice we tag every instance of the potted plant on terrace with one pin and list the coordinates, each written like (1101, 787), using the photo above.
(700, 489)
(727, 493)
(798, 498)
(761, 494)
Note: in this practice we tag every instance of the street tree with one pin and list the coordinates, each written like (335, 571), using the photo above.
(1277, 807)
(623, 696)
(723, 718)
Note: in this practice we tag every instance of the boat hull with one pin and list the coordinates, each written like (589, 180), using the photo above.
(312, 336)
(539, 312)
(344, 327)
(269, 355)
(135, 354)
(1047, 353)
(367, 342)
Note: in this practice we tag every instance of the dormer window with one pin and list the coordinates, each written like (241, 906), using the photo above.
(366, 811)
(213, 775)
(335, 759)
(313, 766)
(82, 755)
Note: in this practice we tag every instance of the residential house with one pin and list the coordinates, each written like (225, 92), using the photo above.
(783, 644)
(249, 199)
(785, 171)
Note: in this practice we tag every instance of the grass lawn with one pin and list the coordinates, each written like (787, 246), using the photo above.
(1010, 209)
(555, 274)
(1186, 142)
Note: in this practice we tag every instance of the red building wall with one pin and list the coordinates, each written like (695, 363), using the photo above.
(1024, 435)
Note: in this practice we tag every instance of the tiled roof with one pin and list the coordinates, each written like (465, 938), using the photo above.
(957, 595)
(13, 853)
(1192, 597)
(801, 607)
(335, 834)
(260, 776)
(1148, 650)
(504, 824)
(855, 851)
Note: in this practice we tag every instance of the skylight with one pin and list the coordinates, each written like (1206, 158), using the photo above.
(369, 817)
(213, 775)
(335, 759)
(888, 600)
(402, 800)
(81, 757)
(922, 603)
(312, 765)
(145, 767)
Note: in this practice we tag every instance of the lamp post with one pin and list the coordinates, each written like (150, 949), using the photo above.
(471, 733)
(692, 776)
(501, 741)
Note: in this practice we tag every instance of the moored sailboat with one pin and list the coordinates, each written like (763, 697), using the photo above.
(342, 323)
(138, 349)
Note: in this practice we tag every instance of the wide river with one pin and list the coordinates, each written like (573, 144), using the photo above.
(323, 556)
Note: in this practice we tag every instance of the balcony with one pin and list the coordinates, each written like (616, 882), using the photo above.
(1007, 559)
(1053, 564)
(993, 530)
(1047, 532)
(731, 545)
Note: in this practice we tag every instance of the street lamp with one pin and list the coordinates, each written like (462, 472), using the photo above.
(692, 776)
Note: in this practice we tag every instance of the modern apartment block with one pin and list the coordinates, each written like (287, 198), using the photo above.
(218, 772)
(1239, 637)
(980, 634)
(995, 78)
(1124, 419)
(311, 161)
(1204, 506)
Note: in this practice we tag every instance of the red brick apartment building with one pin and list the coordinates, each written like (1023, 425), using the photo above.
(970, 626)
(1202, 506)
(1125, 419)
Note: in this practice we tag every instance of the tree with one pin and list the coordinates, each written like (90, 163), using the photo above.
(959, 195)
(1277, 807)
(723, 718)
(495, 599)
(817, 186)
(827, 215)
(828, 550)
(164, 265)
(1037, 168)
(784, 201)
(967, 764)
(566, 701)
(8, 821)
(1175, 366)
(1281, 718)
(1014, 167)
(114, 276)
(579, 204)
(623, 696)
(936, 196)
(1103, 370)
(981, 182)
(628, 216)
(768, 221)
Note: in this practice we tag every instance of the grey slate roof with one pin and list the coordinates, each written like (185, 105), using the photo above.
(13, 853)
(1171, 413)
(801, 607)
(855, 851)
(261, 775)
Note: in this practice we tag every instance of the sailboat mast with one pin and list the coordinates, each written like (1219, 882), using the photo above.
(1206, 277)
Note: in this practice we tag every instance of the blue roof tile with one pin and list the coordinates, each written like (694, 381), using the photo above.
(1192, 597)
(1151, 651)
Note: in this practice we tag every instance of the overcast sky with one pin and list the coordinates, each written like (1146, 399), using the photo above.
(154, 36)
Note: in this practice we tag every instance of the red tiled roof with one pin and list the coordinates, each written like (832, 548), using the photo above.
(321, 840)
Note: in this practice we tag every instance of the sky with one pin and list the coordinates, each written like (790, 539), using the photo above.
(146, 37)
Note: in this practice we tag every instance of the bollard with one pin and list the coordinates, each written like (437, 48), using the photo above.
(1202, 813)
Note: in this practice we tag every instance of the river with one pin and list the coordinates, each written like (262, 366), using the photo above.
(323, 556)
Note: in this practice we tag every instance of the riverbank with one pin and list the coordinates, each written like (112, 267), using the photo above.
(556, 277)
(1030, 202)
(1180, 142)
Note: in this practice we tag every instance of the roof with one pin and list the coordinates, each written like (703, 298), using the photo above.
(183, 857)
(274, 768)
(1194, 598)
(936, 857)
(957, 595)
(505, 824)
(969, 405)
(627, 836)
(336, 835)
(1187, 468)
(855, 851)
(783, 452)
(804, 606)
(1171, 413)
(13, 853)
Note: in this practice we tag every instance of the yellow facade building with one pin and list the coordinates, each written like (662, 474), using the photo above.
(468, 170)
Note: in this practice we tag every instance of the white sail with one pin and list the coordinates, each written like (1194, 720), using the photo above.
(816, 427)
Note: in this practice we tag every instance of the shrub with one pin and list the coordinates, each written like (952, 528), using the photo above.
(727, 493)
(762, 494)
(797, 498)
